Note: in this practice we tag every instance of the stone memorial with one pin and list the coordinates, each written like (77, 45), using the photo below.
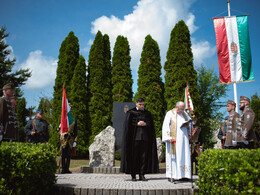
(102, 150)
(119, 114)
(159, 149)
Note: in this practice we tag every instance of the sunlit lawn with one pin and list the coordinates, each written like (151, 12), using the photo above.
(85, 162)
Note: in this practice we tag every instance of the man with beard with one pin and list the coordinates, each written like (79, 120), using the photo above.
(248, 137)
(139, 150)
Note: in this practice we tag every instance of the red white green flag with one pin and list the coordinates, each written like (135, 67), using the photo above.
(187, 99)
(66, 116)
(233, 48)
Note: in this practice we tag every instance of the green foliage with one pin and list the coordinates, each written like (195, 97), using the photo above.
(78, 101)
(7, 74)
(179, 70)
(255, 105)
(229, 172)
(27, 168)
(150, 85)
(68, 59)
(121, 73)
(22, 113)
(211, 91)
(99, 85)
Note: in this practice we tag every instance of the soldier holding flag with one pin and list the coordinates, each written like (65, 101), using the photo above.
(68, 134)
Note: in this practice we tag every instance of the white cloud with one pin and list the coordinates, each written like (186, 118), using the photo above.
(43, 70)
(202, 50)
(154, 17)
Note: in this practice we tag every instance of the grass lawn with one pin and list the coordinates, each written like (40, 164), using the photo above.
(84, 162)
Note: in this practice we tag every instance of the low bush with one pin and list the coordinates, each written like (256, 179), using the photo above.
(27, 168)
(229, 172)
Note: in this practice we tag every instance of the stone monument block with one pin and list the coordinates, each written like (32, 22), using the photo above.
(119, 114)
(102, 150)
(159, 149)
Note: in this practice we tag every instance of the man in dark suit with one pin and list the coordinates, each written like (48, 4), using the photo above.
(139, 150)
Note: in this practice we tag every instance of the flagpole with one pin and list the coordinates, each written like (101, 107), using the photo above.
(234, 84)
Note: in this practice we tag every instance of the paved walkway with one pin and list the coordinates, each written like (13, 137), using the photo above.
(117, 184)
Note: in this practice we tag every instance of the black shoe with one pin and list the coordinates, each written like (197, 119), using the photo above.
(133, 178)
(142, 178)
(171, 180)
(62, 172)
(68, 171)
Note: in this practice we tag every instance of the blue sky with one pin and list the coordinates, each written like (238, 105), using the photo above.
(37, 29)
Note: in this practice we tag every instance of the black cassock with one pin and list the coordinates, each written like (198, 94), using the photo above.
(131, 151)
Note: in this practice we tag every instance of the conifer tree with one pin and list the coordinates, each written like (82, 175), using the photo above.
(179, 70)
(68, 59)
(22, 113)
(121, 73)
(78, 102)
(150, 85)
(107, 85)
(7, 74)
(98, 103)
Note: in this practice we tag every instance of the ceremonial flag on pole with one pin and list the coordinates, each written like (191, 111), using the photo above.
(66, 116)
(233, 48)
(187, 99)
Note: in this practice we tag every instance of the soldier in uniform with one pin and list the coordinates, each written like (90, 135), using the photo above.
(196, 143)
(222, 132)
(247, 137)
(8, 119)
(232, 125)
(37, 129)
(68, 141)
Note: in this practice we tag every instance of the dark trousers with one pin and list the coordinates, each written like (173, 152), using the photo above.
(140, 157)
(65, 158)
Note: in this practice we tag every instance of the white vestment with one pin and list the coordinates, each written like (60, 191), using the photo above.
(179, 165)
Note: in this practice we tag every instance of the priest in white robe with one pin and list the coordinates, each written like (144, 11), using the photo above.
(176, 133)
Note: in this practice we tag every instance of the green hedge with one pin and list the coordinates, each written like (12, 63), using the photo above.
(27, 168)
(229, 172)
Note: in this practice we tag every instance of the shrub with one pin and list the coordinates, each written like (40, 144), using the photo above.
(229, 171)
(27, 168)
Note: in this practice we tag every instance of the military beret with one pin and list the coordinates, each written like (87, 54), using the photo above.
(40, 111)
(244, 98)
(8, 86)
(231, 102)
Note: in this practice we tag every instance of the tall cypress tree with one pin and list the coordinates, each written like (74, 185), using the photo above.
(121, 73)
(179, 67)
(150, 85)
(79, 109)
(99, 104)
(107, 85)
(68, 59)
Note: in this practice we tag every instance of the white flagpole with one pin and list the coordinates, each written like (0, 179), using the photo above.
(234, 84)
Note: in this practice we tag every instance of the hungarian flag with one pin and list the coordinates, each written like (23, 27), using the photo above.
(66, 116)
(233, 48)
(187, 99)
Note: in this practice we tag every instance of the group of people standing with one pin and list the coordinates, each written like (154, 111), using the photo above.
(36, 129)
(139, 150)
(179, 132)
(237, 131)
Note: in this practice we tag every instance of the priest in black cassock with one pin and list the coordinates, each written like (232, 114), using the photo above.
(139, 148)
